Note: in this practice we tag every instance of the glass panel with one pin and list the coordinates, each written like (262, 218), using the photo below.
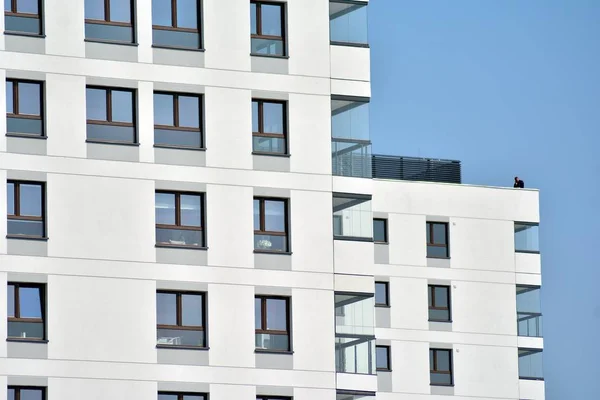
(122, 106)
(11, 392)
(351, 158)
(528, 299)
(9, 97)
(382, 358)
(255, 116)
(356, 316)
(271, 20)
(166, 308)
(190, 40)
(94, 9)
(30, 303)
(34, 330)
(430, 295)
(161, 13)
(10, 198)
(276, 314)
(348, 23)
(171, 137)
(189, 112)
(30, 200)
(379, 231)
(439, 315)
(109, 33)
(350, 119)
(270, 47)
(163, 109)
(268, 145)
(10, 301)
(193, 397)
(24, 126)
(27, 6)
(529, 324)
(191, 315)
(274, 216)
(380, 293)
(253, 19)
(179, 337)
(164, 396)
(428, 229)
(443, 360)
(271, 342)
(440, 379)
(27, 228)
(29, 98)
(190, 210)
(179, 237)
(257, 313)
(164, 206)
(530, 364)
(273, 118)
(256, 206)
(21, 24)
(7, 5)
(355, 215)
(441, 296)
(355, 356)
(120, 10)
(437, 251)
(439, 234)
(187, 14)
(111, 133)
(527, 237)
(270, 242)
(95, 104)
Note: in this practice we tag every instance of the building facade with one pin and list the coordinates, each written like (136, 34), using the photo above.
(193, 211)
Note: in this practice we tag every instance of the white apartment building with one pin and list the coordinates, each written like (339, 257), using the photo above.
(193, 211)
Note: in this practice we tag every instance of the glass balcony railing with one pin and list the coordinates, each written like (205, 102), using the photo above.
(527, 237)
(529, 324)
(351, 158)
(529, 315)
(348, 23)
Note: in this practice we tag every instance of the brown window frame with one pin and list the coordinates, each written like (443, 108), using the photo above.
(109, 122)
(14, 13)
(431, 241)
(385, 230)
(175, 126)
(17, 317)
(259, 35)
(16, 113)
(107, 21)
(179, 316)
(387, 294)
(17, 201)
(263, 320)
(18, 389)
(174, 27)
(178, 225)
(431, 289)
(261, 124)
(433, 369)
(262, 231)
(389, 358)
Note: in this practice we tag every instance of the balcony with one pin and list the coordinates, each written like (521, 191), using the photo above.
(415, 169)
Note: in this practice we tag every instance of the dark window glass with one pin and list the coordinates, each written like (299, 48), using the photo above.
(122, 106)
(25, 209)
(24, 107)
(25, 393)
(180, 396)
(175, 23)
(22, 16)
(274, 398)
(439, 303)
(179, 219)
(9, 96)
(437, 239)
(94, 9)
(27, 6)
(380, 230)
(177, 120)
(267, 28)
(270, 225)
(383, 358)
(25, 309)
(120, 10)
(109, 20)
(180, 319)
(271, 318)
(381, 294)
(269, 126)
(531, 364)
(110, 115)
(440, 367)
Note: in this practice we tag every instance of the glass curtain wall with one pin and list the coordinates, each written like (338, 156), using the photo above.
(529, 313)
(352, 216)
(350, 138)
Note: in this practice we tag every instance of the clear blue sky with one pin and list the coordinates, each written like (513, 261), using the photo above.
(509, 87)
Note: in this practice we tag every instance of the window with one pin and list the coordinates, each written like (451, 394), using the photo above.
(529, 314)
(272, 323)
(26, 310)
(383, 358)
(25, 201)
(109, 21)
(179, 219)
(180, 319)
(380, 230)
(273, 398)
(23, 16)
(440, 367)
(382, 294)
(530, 364)
(350, 137)
(177, 120)
(270, 225)
(26, 393)
(24, 108)
(175, 23)
(352, 216)
(110, 115)
(439, 303)
(269, 126)
(348, 23)
(527, 237)
(437, 240)
(267, 26)
(181, 396)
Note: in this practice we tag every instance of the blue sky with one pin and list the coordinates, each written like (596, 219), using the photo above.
(509, 87)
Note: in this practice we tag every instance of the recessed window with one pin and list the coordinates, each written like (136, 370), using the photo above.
(382, 294)
(270, 225)
(269, 126)
(26, 310)
(437, 240)
(110, 115)
(180, 319)
(26, 393)
(177, 120)
(176, 23)
(440, 367)
(179, 219)
(109, 21)
(24, 108)
(529, 313)
(439, 303)
(181, 396)
(383, 358)
(380, 230)
(531, 364)
(23, 16)
(272, 323)
(527, 237)
(348, 23)
(267, 28)
(25, 201)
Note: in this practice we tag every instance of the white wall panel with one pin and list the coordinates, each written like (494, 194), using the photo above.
(533, 390)
(308, 48)
(64, 28)
(410, 367)
(352, 257)
(350, 63)
(407, 238)
(528, 263)
(408, 300)
(100, 389)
